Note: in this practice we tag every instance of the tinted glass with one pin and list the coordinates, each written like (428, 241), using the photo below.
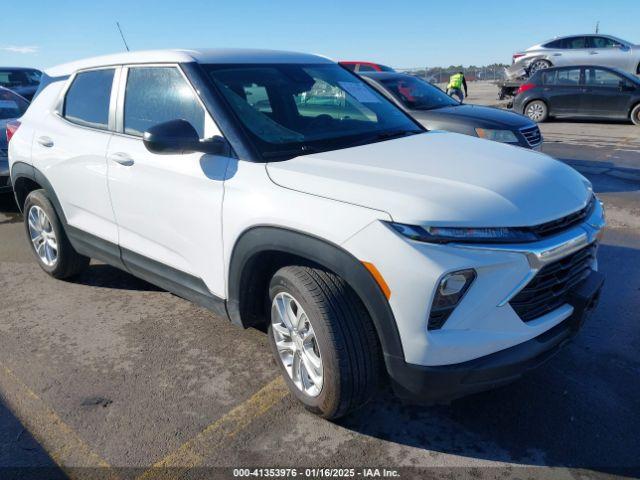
(159, 94)
(87, 101)
(416, 94)
(349, 66)
(366, 68)
(575, 42)
(555, 44)
(596, 77)
(384, 68)
(602, 42)
(567, 77)
(312, 108)
(19, 78)
(11, 105)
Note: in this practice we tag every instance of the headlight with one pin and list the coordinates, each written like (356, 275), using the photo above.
(462, 234)
(504, 136)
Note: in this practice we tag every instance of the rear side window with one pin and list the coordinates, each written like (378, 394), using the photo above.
(568, 43)
(87, 100)
(568, 77)
(366, 68)
(159, 94)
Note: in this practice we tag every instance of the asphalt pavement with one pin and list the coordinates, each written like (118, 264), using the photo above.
(107, 376)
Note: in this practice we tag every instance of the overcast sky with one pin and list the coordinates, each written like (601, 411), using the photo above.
(409, 33)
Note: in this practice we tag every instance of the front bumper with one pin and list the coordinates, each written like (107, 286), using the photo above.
(441, 384)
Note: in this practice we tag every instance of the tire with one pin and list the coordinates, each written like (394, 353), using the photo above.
(54, 253)
(537, 111)
(344, 339)
(635, 115)
(539, 64)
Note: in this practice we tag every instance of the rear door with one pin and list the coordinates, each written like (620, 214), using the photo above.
(70, 146)
(168, 207)
(607, 94)
(563, 90)
(572, 51)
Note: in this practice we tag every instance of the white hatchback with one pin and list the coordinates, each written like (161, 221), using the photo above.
(279, 189)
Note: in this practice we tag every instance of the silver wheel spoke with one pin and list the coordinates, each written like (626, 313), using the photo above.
(296, 344)
(42, 236)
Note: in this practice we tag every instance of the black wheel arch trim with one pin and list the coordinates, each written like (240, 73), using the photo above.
(261, 239)
(168, 278)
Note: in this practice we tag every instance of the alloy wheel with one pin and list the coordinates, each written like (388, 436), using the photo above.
(43, 236)
(297, 344)
(535, 111)
(538, 65)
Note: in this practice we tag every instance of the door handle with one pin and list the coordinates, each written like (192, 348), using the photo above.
(45, 142)
(122, 159)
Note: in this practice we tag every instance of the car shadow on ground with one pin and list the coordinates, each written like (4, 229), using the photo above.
(579, 410)
(105, 276)
(21, 456)
(9, 209)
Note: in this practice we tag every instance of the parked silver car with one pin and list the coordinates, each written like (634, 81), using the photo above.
(601, 50)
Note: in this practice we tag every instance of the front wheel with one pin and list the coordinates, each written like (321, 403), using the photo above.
(537, 111)
(635, 115)
(323, 340)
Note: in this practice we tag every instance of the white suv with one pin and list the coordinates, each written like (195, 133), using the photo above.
(279, 189)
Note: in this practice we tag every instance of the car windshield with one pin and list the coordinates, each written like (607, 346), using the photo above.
(290, 110)
(11, 105)
(416, 94)
(19, 78)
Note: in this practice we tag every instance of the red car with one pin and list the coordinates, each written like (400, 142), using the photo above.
(366, 67)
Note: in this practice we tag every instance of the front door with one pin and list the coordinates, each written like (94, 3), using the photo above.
(607, 94)
(168, 207)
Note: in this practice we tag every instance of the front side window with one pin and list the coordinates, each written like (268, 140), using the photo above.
(11, 105)
(366, 68)
(155, 95)
(311, 108)
(596, 77)
(87, 100)
(602, 42)
(416, 94)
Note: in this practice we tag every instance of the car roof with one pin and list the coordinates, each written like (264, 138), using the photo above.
(207, 55)
(384, 75)
(582, 35)
(22, 69)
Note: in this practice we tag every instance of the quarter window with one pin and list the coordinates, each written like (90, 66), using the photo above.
(159, 94)
(87, 101)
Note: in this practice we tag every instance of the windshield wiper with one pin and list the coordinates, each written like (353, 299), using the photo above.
(290, 152)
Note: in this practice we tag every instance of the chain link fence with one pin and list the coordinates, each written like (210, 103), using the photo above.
(439, 75)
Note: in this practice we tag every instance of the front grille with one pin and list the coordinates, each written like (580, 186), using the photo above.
(532, 135)
(551, 286)
(560, 224)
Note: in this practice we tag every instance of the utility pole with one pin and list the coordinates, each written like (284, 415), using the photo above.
(597, 27)
(122, 35)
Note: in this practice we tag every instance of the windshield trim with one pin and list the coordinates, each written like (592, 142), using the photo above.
(305, 148)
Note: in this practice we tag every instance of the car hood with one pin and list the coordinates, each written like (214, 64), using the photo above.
(441, 178)
(475, 116)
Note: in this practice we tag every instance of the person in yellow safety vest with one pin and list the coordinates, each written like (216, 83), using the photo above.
(456, 83)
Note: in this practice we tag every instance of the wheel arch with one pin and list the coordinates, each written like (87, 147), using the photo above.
(262, 250)
(26, 178)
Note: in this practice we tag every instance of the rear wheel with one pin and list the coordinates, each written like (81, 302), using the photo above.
(49, 243)
(537, 111)
(635, 115)
(323, 340)
(538, 65)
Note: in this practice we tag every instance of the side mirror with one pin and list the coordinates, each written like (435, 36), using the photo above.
(179, 137)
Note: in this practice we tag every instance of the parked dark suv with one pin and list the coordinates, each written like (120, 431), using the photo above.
(581, 91)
